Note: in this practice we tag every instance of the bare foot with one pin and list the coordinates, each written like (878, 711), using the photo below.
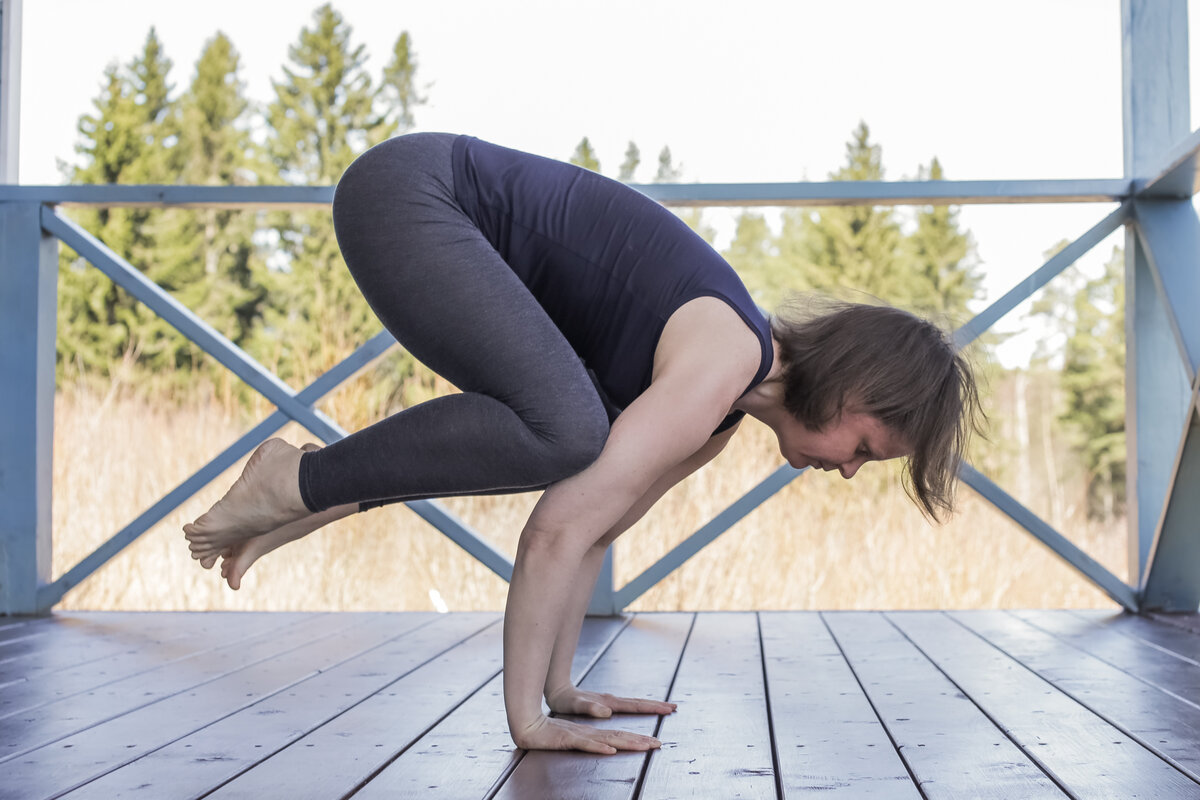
(264, 498)
(237, 559)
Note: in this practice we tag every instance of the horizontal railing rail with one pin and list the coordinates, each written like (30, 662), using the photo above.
(828, 193)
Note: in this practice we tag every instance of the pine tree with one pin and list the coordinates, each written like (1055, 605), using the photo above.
(398, 90)
(210, 254)
(942, 258)
(126, 140)
(668, 171)
(585, 156)
(1094, 377)
(326, 111)
(751, 254)
(1088, 316)
(849, 247)
(633, 157)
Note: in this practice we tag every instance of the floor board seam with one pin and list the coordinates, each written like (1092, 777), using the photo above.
(1172, 762)
(361, 700)
(912, 776)
(511, 767)
(1104, 660)
(762, 653)
(157, 665)
(1045, 768)
(641, 778)
(140, 756)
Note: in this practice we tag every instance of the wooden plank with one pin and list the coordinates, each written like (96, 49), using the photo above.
(1175, 674)
(21, 733)
(1188, 622)
(73, 640)
(470, 750)
(828, 740)
(352, 747)
(193, 765)
(1181, 642)
(1154, 719)
(18, 628)
(55, 671)
(949, 745)
(641, 663)
(10, 625)
(222, 684)
(1082, 752)
(718, 743)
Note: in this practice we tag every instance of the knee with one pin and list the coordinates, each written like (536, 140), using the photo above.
(585, 442)
(575, 445)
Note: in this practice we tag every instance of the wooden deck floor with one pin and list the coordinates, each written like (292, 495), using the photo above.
(981, 704)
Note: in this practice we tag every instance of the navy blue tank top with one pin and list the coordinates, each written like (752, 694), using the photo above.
(608, 264)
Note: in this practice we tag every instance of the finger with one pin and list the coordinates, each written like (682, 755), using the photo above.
(598, 710)
(627, 740)
(594, 746)
(638, 705)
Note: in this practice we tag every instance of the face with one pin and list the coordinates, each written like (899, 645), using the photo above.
(845, 444)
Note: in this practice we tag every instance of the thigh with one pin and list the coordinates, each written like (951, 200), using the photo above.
(445, 293)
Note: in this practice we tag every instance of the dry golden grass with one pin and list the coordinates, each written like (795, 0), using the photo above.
(821, 543)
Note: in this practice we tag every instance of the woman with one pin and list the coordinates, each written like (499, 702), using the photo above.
(604, 352)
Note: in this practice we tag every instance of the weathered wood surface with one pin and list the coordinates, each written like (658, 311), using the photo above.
(828, 740)
(951, 747)
(1078, 749)
(774, 705)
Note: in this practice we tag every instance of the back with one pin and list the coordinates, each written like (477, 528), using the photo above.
(608, 264)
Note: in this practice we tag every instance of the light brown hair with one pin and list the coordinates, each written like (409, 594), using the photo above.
(895, 366)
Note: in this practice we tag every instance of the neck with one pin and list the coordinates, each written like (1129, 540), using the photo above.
(765, 401)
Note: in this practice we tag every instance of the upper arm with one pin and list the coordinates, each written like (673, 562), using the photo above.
(668, 479)
(667, 428)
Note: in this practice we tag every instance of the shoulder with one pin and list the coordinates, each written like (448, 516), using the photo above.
(708, 342)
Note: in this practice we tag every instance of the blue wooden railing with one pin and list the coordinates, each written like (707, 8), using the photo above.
(300, 406)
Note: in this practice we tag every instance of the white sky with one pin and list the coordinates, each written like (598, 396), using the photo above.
(758, 90)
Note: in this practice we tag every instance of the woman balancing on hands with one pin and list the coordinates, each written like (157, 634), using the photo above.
(604, 352)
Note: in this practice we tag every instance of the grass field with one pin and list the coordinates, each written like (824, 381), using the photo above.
(821, 543)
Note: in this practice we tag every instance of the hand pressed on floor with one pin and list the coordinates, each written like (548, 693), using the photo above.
(559, 734)
(571, 700)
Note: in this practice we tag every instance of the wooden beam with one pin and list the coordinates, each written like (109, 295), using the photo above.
(814, 194)
(1156, 113)
(28, 306)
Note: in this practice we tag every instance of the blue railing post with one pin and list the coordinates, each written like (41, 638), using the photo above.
(28, 306)
(1156, 117)
(604, 596)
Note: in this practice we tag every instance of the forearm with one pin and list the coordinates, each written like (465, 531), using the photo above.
(544, 576)
(568, 636)
(559, 673)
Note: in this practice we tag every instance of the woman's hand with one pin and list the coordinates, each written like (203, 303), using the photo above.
(546, 733)
(570, 700)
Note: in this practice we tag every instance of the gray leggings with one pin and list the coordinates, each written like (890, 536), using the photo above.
(528, 414)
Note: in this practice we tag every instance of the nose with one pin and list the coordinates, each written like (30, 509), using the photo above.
(850, 468)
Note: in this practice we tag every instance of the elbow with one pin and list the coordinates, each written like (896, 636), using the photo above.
(551, 545)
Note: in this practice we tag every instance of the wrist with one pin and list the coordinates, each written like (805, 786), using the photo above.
(553, 689)
(521, 731)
